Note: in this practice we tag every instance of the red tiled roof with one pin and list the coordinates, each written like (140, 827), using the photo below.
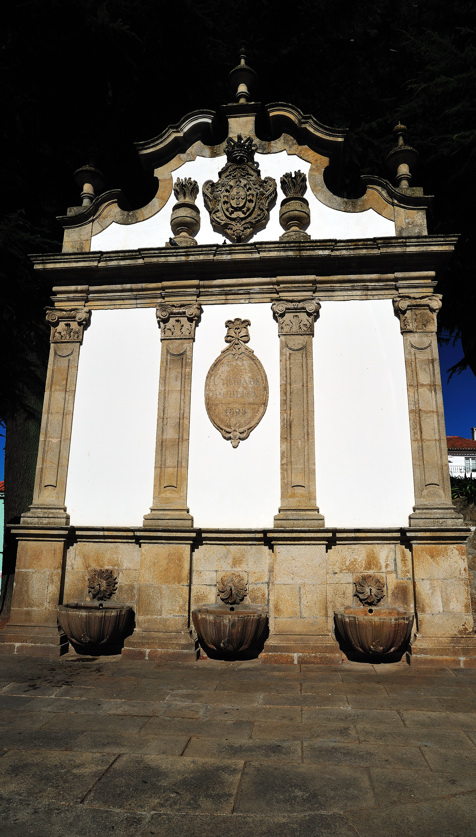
(457, 443)
(2, 486)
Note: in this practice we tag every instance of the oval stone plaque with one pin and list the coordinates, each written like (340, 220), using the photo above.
(236, 388)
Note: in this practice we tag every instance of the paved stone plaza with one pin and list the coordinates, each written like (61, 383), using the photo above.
(96, 746)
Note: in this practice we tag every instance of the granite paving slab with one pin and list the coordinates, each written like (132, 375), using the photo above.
(248, 825)
(50, 775)
(247, 749)
(302, 788)
(453, 817)
(165, 783)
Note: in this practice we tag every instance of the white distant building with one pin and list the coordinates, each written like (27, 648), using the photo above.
(462, 455)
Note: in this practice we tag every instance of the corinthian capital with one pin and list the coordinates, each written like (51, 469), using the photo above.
(178, 321)
(67, 326)
(296, 317)
(417, 313)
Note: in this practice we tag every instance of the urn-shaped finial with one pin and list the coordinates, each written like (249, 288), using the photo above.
(185, 218)
(294, 214)
(401, 158)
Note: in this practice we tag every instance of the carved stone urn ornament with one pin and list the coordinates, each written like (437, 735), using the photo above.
(185, 218)
(239, 202)
(294, 214)
(236, 387)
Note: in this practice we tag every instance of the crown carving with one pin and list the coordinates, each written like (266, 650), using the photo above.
(240, 151)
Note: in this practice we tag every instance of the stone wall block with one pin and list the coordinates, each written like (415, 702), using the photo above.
(456, 596)
(339, 596)
(361, 558)
(304, 627)
(162, 624)
(203, 594)
(298, 563)
(403, 560)
(203, 577)
(340, 578)
(163, 563)
(102, 554)
(174, 600)
(313, 600)
(428, 596)
(400, 593)
(286, 601)
(258, 594)
(445, 624)
(440, 561)
(149, 600)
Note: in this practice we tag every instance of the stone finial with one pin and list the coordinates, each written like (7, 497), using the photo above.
(232, 588)
(294, 185)
(91, 182)
(102, 584)
(242, 80)
(401, 158)
(294, 214)
(185, 218)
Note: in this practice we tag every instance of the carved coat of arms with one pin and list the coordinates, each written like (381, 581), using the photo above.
(239, 202)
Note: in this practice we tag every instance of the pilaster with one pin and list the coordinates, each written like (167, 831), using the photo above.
(298, 472)
(177, 326)
(433, 506)
(67, 330)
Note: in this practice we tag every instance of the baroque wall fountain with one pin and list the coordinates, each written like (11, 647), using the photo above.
(371, 631)
(97, 626)
(228, 627)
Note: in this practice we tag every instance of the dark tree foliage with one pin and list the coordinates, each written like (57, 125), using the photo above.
(81, 80)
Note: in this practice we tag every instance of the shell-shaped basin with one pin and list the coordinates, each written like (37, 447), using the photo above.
(90, 626)
(374, 631)
(229, 628)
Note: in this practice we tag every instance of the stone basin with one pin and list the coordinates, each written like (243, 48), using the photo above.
(229, 628)
(374, 631)
(91, 626)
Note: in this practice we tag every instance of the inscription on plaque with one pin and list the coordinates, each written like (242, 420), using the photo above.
(236, 388)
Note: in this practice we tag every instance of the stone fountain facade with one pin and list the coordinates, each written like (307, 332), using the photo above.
(246, 380)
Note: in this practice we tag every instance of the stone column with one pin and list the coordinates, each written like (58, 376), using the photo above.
(433, 506)
(48, 506)
(298, 473)
(177, 325)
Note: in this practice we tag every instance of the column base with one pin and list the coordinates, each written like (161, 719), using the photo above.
(302, 650)
(168, 519)
(33, 641)
(454, 651)
(161, 647)
(440, 516)
(45, 516)
(299, 519)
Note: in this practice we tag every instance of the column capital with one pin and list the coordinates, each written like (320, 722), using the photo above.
(67, 325)
(296, 316)
(417, 313)
(178, 322)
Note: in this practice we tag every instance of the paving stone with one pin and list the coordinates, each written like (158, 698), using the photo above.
(413, 736)
(66, 706)
(17, 703)
(389, 717)
(148, 708)
(325, 731)
(164, 783)
(363, 755)
(450, 760)
(442, 720)
(312, 700)
(217, 825)
(100, 723)
(129, 742)
(246, 749)
(455, 817)
(22, 721)
(29, 689)
(398, 786)
(291, 714)
(50, 776)
(221, 698)
(19, 819)
(301, 788)
(17, 739)
(208, 729)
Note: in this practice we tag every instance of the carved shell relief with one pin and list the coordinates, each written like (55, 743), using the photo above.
(369, 589)
(102, 583)
(236, 387)
(232, 588)
(239, 202)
